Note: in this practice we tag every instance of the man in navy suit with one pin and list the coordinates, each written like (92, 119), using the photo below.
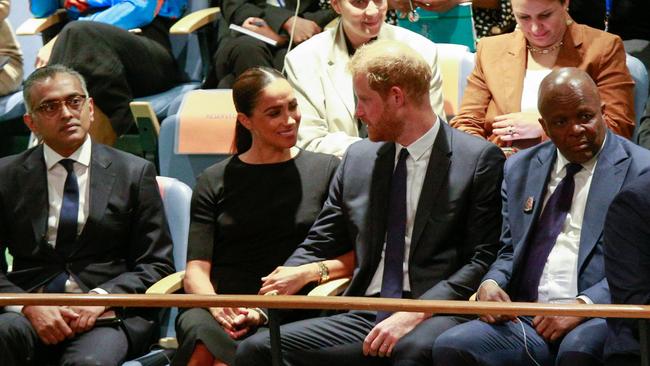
(627, 265)
(555, 197)
(448, 232)
(77, 217)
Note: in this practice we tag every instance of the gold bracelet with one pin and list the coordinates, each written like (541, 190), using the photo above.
(323, 272)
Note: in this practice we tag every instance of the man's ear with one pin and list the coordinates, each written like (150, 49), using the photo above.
(29, 122)
(397, 95)
(336, 5)
(91, 109)
(544, 127)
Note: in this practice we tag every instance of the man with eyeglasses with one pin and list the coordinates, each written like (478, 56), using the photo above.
(77, 217)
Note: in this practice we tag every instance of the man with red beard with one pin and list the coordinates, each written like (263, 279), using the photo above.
(419, 205)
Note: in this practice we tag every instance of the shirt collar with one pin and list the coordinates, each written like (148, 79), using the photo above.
(81, 155)
(423, 144)
(588, 166)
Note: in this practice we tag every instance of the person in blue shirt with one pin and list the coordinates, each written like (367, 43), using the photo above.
(118, 65)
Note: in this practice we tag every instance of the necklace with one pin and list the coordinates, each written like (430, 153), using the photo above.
(544, 50)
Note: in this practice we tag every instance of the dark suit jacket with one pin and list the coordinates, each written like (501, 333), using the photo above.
(627, 261)
(125, 245)
(456, 229)
(236, 11)
(526, 175)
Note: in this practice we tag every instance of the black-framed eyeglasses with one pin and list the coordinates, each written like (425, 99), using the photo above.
(53, 107)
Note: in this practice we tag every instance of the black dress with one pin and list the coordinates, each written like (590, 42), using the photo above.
(247, 219)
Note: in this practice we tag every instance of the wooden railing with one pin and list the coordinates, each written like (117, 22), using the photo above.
(333, 303)
(641, 312)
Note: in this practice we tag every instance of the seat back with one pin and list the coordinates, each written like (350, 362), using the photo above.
(640, 76)
(456, 62)
(181, 166)
(198, 136)
(177, 197)
(187, 48)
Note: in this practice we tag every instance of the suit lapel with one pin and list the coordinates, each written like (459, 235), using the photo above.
(536, 181)
(35, 181)
(610, 172)
(570, 53)
(337, 71)
(379, 191)
(434, 179)
(102, 178)
(513, 71)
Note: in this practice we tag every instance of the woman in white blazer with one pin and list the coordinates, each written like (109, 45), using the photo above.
(317, 69)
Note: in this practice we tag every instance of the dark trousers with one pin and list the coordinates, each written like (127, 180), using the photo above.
(337, 341)
(21, 346)
(118, 65)
(238, 52)
(480, 343)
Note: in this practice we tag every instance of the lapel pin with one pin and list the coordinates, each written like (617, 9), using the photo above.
(530, 203)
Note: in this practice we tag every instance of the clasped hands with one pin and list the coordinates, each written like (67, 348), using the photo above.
(517, 126)
(237, 322)
(551, 328)
(54, 324)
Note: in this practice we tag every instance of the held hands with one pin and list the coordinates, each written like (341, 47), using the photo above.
(305, 29)
(258, 25)
(54, 324)
(517, 126)
(87, 315)
(237, 322)
(382, 338)
(555, 327)
(288, 280)
(490, 291)
(51, 322)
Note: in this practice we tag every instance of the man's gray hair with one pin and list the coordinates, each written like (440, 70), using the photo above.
(49, 71)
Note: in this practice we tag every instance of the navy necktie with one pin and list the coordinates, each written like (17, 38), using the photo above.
(393, 277)
(66, 233)
(548, 228)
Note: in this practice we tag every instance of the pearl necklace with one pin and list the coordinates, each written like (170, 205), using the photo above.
(544, 50)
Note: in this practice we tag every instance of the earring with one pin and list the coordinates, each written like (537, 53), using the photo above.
(569, 21)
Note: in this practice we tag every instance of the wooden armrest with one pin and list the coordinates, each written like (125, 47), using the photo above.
(144, 111)
(193, 21)
(330, 288)
(473, 297)
(167, 285)
(34, 26)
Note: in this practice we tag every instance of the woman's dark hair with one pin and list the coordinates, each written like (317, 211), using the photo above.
(245, 93)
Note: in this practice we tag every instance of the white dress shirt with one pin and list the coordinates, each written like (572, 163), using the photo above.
(559, 280)
(416, 169)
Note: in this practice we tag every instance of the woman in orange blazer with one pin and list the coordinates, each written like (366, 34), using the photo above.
(500, 101)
